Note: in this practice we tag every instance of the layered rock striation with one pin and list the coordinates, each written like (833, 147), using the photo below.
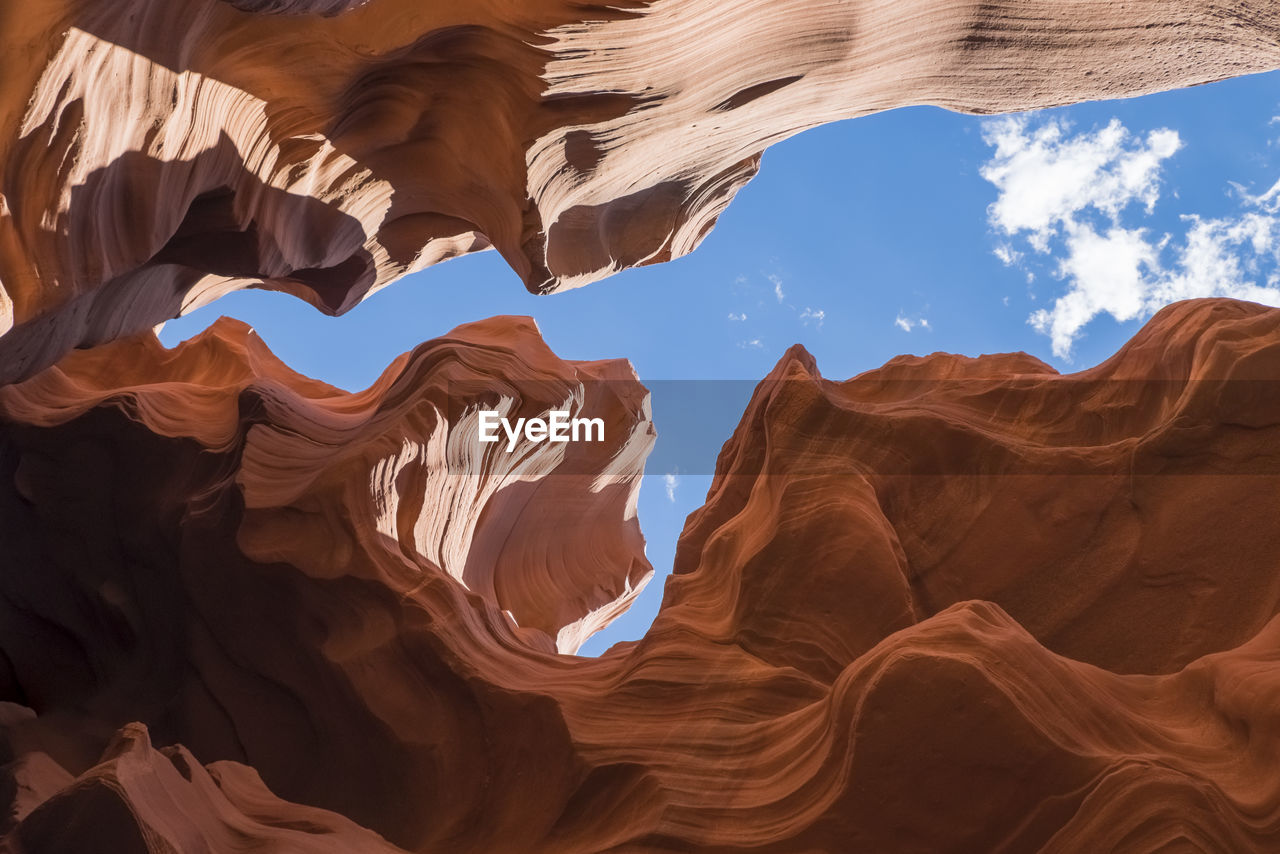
(160, 154)
(205, 492)
(949, 605)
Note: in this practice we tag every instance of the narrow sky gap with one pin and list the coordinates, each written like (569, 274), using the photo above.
(863, 240)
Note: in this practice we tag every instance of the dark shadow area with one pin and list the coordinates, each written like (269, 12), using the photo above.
(230, 225)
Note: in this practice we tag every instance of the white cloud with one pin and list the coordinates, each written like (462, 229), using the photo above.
(810, 316)
(777, 287)
(671, 482)
(1007, 254)
(1223, 257)
(741, 315)
(906, 324)
(1069, 196)
(1046, 177)
(753, 344)
(1108, 273)
(1268, 201)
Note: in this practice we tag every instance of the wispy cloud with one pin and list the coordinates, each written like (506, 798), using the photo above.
(1072, 198)
(773, 314)
(906, 324)
(777, 287)
(671, 482)
(1007, 254)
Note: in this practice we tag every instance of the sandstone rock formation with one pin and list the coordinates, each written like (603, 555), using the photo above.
(920, 469)
(141, 799)
(949, 605)
(158, 154)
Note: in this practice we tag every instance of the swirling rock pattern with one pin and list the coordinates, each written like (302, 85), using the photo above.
(949, 605)
(260, 473)
(158, 154)
(139, 799)
(911, 474)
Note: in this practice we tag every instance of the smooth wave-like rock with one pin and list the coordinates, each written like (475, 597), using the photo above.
(1133, 506)
(949, 605)
(547, 533)
(211, 470)
(159, 154)
(138, 799)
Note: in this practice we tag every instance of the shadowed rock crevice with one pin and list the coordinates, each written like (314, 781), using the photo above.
(576, 139)
(334, 591)
(222, 236)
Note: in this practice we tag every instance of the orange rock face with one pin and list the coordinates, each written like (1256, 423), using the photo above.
(949, 605)
(158, 154)
(141, 799)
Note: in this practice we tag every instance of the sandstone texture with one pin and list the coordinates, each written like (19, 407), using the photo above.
(158, 154)
(948, 605)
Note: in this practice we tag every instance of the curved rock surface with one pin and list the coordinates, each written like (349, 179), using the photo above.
(139, 799)
(1133, 506)
(158, 154)
(949, 605)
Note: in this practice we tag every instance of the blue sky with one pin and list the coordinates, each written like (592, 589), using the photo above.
(913, 231)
